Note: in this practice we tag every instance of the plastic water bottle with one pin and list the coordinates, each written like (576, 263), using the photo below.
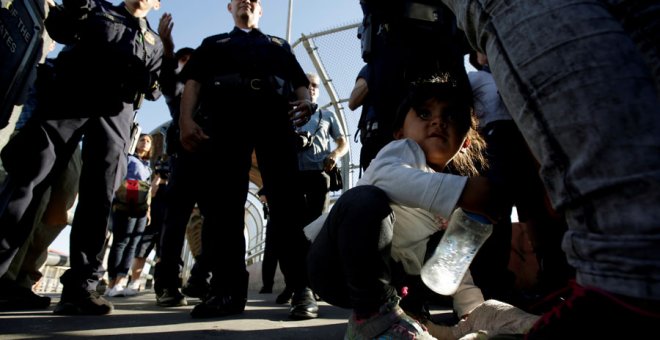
(465, 234)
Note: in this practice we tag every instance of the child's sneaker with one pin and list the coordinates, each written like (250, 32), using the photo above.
(391, 322)
(590, 313)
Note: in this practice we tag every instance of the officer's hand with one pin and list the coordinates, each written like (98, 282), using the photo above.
(302, 110)
(192, 136)
(165, 26)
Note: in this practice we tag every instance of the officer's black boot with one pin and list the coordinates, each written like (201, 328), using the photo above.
(225, 298)
(166, 287)
(303, 305)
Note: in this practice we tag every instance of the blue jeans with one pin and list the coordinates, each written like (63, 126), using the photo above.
(580, 79)
(127, 232)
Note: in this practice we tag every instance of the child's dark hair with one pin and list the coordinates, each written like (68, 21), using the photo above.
(458, 95)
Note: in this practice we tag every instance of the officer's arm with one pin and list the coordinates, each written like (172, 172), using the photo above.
(189, 101)
(358, 94)
(191, 133)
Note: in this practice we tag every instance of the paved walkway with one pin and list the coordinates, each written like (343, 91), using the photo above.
(138, 317)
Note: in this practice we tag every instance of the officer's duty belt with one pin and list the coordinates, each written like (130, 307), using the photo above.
(236, 81)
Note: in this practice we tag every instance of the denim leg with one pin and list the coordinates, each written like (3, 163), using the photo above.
(135, 231)
(585, 100)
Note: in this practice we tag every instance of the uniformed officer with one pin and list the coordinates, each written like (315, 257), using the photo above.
(182, 188)
(248, 81)
(110, 63)
(403, 41)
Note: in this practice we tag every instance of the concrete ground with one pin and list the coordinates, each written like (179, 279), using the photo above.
(138, 317)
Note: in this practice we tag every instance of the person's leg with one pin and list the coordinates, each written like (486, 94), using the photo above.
(223, 238)
(104, 164)
(16, 285)
(349, 265)
(135, 235)
(14, 270)
(349, 259)
(55, 218)
(122, 226)
(144, 248)
(269, 262)
(198, 283)
(180, 199)
(32, 158)
(315, 186)
(586, 101)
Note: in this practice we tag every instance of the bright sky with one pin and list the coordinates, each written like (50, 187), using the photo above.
(194, 20)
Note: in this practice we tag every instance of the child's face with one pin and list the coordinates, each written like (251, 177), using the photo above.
(433, 128)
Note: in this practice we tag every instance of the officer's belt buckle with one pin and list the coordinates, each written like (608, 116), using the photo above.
(255, 84)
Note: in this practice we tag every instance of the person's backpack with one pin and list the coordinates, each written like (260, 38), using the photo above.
(133, 197)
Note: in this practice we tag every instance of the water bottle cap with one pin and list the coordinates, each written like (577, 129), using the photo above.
(476, 217)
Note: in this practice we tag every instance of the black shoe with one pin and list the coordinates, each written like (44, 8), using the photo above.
(218, 306)
(303, 305)
(171, 297)
(195, 289)
(15, 297)
(284, 297)
(83, 303)
(266, 290)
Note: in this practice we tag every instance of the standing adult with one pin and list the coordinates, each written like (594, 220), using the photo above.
(128, 226)
(251, 80)
(182, 189)
(317, 158)
(582, 81)
(109, 65)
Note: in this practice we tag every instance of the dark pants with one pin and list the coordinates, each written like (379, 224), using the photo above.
(223, 234)
(269, 263)
(315, 184)
(183, 192)
(349, 262)
(39, 153)
(151, 237)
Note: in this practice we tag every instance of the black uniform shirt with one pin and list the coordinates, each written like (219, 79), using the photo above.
(111, 56)
(240, 57)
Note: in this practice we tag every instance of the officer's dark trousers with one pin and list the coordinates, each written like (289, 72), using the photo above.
(38, 154)
(349, 261)
(191, 172)
(268, 133)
